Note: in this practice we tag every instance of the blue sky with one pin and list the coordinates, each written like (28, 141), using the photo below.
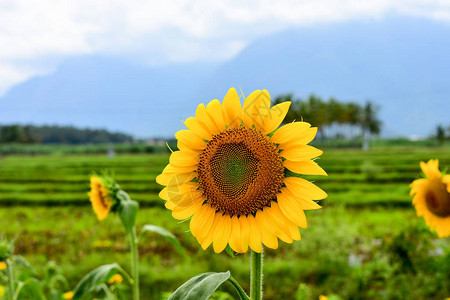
(35, 36)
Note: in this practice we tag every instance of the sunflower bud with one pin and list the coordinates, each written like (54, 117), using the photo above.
(6, 250)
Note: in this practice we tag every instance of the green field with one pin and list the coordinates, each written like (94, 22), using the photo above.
(366, 243)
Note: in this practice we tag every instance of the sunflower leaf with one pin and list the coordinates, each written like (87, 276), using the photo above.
(127, 213)
(200, 287)
(167, 234)
(94, 278)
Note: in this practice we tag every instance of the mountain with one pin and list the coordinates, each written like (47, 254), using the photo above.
(401, 64)
(107, 92)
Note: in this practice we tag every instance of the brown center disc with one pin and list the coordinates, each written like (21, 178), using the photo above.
(240, 171)
(437, 200)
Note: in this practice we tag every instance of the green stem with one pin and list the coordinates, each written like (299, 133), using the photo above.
(238, 288)
(256, 275)
(9, 265)
(134, 262)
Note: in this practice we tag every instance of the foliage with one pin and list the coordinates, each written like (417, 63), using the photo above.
(17, 133)
(333, 118)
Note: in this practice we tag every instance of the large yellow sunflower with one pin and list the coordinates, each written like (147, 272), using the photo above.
(100, 198)
(432, 198)
(231, 174)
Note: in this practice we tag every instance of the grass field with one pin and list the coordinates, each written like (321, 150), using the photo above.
(354, 247)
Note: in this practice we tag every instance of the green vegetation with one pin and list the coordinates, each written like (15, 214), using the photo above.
(366, 243)
(29, 134)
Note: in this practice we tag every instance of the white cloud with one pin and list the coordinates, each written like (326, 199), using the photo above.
(165, 31)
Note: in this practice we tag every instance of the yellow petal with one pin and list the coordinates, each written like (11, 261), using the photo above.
(209, 233)
(232, 110)
(289, 132)
(166, 179)
(305, 204)
(446, 181)
(214, 109)
(187, 208)
(255, 235)
(251, 108)
(198, 128)
(304, 188)
(301, 138)
(190, 139)
(235, 236)
(292, 210)
(268, 233)
(275, 117)
(176, 193)
(203, 117)
(222, 233)
(431, 169)
(183, 159)
(277, 220)
(263, 109)
(307, 167)
(201, 222)
(290, 228)
(301, 152)
(245, 233)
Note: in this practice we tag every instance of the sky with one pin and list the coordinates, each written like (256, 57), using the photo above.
(35, 36)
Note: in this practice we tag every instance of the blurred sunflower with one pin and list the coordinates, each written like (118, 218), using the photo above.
(100, 198)
(235, 174)
(2, 265)
(116, 278)
(432, 198)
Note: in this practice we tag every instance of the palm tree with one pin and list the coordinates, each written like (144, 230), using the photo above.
(369, 122)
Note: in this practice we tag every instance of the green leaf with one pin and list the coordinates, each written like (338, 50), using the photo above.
(229, 251)
(29, 289)
(167, 234)
(93, 279)
(200, 287)
(127, 213)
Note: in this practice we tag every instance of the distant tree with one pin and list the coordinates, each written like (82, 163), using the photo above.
(369, 122)
(440, 134)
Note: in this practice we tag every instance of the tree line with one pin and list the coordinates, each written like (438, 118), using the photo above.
(334, 119)
(31, 134)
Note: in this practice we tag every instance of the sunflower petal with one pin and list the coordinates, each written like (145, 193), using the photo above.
(304, 188)
(292, 210)
(203, 117)
(198, 128)
(289, 132)
(183, 159)
(245, 233)
(275, 117)
(301, 152)
(307, 167)
(222, 233)
(214, 109)
(183, 210)
(190, 139)
(254, 240)
(250, 108)
(268, 236)
(201, 222)
(305, 204)
(301, 138)
(235, 236)
(431, 168)
(232, 110)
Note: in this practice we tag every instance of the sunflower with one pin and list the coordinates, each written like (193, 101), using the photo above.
(432, 198)
(116, 278)
(236, 172)
(2, 265)
(100, 198)
(68, 295)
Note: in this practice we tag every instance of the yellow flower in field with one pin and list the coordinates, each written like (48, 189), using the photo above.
(68, 295)
(117, 278)
(100, 198)
(322, 297)
(2, 265)
(432, 198)
(231, 174)
(2, 291)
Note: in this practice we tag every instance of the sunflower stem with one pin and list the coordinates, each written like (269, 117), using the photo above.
(134, 262)
(9, 265)
(256, 275)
